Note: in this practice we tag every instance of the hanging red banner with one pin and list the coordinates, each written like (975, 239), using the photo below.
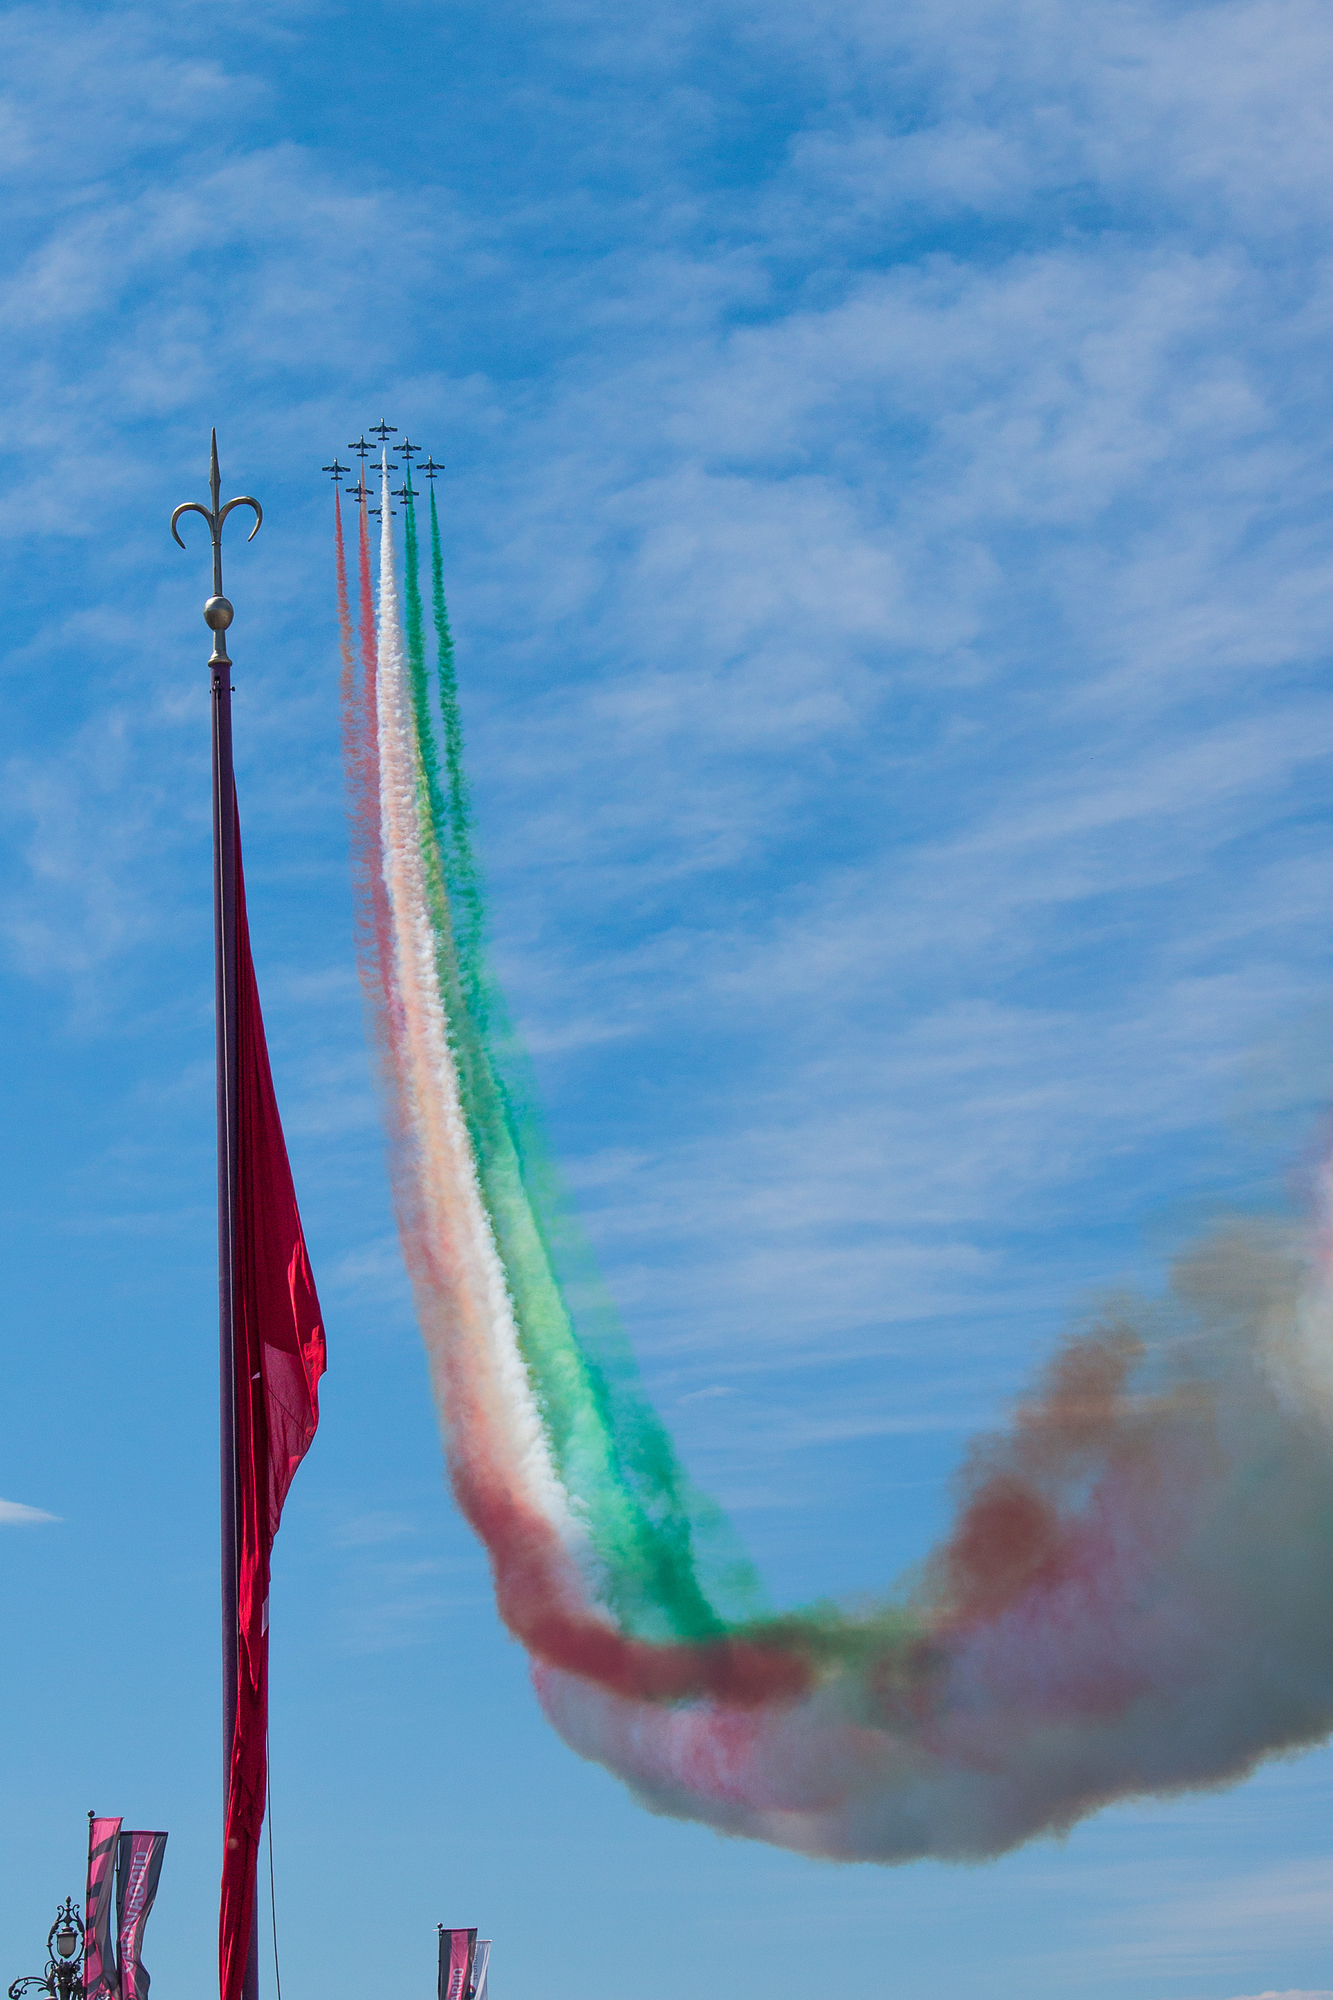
(279, 1358)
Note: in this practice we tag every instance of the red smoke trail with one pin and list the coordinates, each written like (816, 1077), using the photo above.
(361, 769)
(530, 1565)
(347, 683)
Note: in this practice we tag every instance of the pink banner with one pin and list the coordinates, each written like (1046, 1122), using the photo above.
(140, 1865)
(100, 1980)
(456, 1950)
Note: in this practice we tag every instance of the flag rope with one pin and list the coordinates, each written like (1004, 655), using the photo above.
(272, 1891)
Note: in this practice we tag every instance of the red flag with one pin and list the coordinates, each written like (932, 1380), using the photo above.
(279, 1349)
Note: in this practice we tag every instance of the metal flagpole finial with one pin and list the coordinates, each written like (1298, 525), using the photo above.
(218, 613)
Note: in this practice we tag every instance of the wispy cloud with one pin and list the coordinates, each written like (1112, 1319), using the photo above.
(13, 1514)
(1289, 1993)
(365, 1531)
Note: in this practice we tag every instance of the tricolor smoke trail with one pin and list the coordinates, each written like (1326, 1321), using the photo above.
(1137, 1594)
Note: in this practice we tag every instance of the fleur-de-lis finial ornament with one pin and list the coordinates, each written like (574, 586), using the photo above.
(218, 613)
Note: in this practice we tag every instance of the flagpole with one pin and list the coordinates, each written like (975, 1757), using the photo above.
(218, 614)
(224, 975)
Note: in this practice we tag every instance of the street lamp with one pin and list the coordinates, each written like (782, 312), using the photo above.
(63, 1978)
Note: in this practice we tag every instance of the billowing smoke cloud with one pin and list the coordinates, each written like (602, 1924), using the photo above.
(1135, 1596)
(1134, 1599)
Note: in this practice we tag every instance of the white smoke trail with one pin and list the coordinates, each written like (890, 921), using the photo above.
(474, 1339)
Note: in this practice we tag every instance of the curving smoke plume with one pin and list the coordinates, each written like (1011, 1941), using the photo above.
(1137, 1593)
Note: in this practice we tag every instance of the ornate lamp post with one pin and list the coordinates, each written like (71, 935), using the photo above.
(63, 1978)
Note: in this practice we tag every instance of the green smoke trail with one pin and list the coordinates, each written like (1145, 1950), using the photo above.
(416, 662)
(651, 1533)
(464, 875)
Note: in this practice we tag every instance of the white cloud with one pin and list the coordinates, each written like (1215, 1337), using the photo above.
(13, 1514)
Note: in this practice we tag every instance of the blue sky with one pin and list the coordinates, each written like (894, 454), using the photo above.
(888, 542)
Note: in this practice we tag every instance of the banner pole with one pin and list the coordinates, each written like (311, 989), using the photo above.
(218, 614)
